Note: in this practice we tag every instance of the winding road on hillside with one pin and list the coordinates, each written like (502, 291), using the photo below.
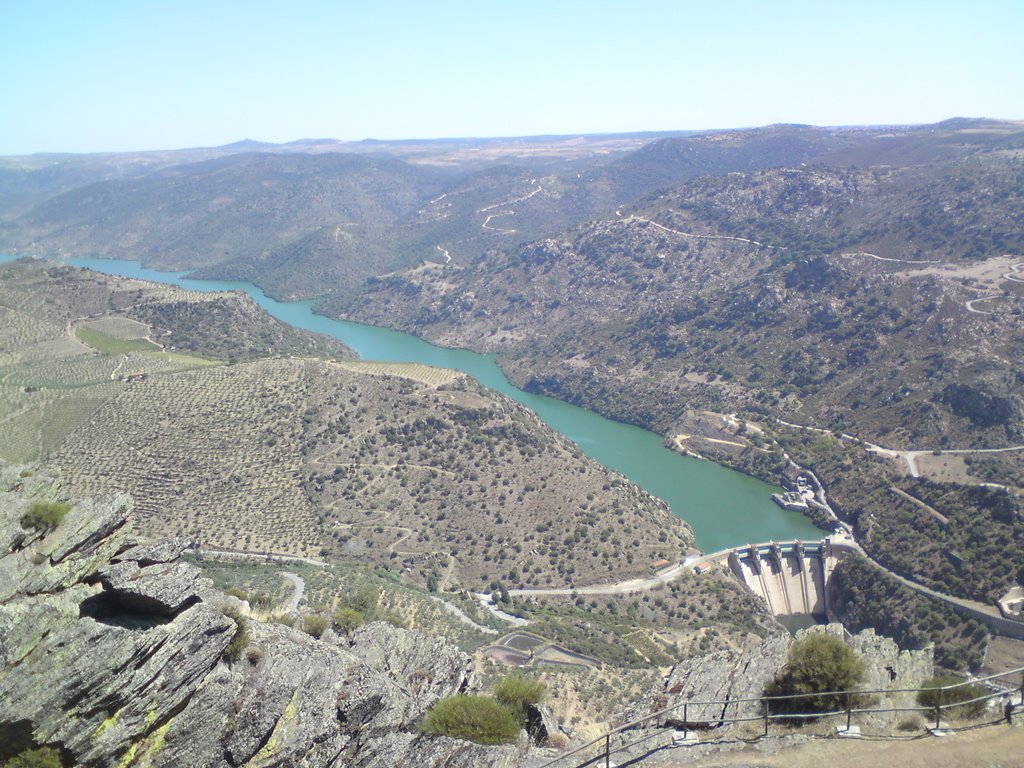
(486, 208)
(1014, 275)
(970, 304)
(620, 587)
(633, 217)
(887, 258)
(908, 456)
(298, 589)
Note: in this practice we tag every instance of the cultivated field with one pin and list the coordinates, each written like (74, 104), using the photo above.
(425, 374)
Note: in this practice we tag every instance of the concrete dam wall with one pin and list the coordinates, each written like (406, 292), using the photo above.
(792, 577)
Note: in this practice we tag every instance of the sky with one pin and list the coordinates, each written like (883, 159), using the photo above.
(108, 75)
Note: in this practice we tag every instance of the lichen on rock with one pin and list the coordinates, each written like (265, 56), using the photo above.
(111, 650)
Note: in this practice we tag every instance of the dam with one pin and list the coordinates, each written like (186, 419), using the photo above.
(790, 576)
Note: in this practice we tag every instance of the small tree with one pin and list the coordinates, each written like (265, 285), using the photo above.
(817, 663)
(348, 619)
(39, 757)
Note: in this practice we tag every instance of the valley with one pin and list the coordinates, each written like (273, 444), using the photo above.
(411, 481)
(833, 309)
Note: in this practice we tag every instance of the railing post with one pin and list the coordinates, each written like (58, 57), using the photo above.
(938, 709)
(686, 720)
(849, 710)
(607, 750)
(767, 714)
(1022, 689)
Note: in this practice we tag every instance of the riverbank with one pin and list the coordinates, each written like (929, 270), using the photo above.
(723, 507)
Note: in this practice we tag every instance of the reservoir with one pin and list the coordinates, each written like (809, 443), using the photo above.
(725, 508)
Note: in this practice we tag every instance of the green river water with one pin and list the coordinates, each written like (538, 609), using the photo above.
(724, 507)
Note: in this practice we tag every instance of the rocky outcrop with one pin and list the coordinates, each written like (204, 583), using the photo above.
(725, 676)
(735, 680)
(113, 651)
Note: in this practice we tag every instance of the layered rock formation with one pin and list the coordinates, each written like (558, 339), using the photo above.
(113, 652)
(736, 680)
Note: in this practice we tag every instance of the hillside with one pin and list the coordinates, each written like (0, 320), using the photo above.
(882, 305)
(247, 205)
(389, 489)
(394, 465)
(318, 217)
(793, 290)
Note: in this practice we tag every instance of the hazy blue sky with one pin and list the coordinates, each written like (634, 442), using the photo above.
(84, 75)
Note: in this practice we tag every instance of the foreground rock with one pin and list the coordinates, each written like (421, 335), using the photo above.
(113, 652)
(731, 683)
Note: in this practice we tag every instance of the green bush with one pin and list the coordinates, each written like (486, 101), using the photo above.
(348, 619)
(817, 663)
(517, 692)
(315, 625)
(932, 697)
(472, 718)
(239, 642)
(261, 602)
(40, 757)
(44, 515)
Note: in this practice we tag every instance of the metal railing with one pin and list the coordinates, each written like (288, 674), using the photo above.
(854, 703)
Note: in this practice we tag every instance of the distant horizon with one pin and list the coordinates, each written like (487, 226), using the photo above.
(123, 76)
(313, 140)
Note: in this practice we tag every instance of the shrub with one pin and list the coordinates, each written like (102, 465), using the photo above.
(44, 515)
(557, 741)
(261, 602)
(472, 718)
(517, 692)
(910, 724)
(348, 619)
(817, 663)
(932, 696)
(40, 757)
(315, 625)
(239, 642)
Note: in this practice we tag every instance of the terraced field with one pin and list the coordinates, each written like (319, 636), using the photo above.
(425, 374)
(209, 453)
(33, 424)
(123, 328)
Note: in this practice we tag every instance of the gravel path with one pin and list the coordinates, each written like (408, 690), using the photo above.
(299, 589)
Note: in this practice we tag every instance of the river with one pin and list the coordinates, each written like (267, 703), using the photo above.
(724, 507)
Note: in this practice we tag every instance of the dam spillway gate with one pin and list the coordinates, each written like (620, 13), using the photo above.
(791, 577)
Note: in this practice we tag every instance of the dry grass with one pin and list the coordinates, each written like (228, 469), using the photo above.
(425, 374)
(123, 328)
